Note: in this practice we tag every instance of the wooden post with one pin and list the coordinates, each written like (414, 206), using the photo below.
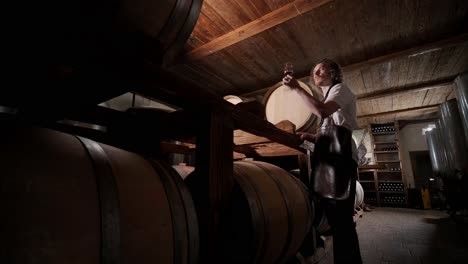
(214, 166)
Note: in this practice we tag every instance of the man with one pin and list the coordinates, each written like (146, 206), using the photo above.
(339, 107)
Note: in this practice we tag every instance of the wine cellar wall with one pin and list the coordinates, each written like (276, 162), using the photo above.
(385, 185)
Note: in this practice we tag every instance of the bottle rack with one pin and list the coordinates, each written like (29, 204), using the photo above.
(385, 186)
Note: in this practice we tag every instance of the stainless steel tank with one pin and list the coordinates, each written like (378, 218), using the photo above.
(454, 139)
(461, 91)
(436, 151)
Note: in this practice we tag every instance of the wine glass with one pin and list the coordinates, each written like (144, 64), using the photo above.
(288, 69)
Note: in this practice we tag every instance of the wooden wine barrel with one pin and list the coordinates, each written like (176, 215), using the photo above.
(170, 22)
(85, 30)
(67, 199)
(359, 197)
(269, 216)
(282, 103)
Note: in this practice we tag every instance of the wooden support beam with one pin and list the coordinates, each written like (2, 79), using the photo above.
(215, 178)
(426, 107)
(255, 27)
(409, 88)
(403, 123)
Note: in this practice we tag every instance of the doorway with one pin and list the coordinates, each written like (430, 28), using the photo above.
(422, 168)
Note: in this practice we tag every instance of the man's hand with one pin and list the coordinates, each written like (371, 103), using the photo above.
(306, 136)
(291, 82)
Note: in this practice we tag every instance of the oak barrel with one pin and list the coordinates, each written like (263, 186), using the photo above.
(283, 103)
(269, 216)
(67, 199)
(85, 30)
(359, 197)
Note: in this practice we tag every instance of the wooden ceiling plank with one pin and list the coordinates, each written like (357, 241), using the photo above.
(395, 72)
(431, 66)
(446, 43)
(462, 64)
(416, 87)
(354, 81)
(419, 108)
(367, 79)
(255, 27)
(403, 72)
(421, 64)
(441, 95)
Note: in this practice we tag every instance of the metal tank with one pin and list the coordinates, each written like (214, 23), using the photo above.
(461, 91)
(436, 151)
(443, 149)
(453, 136)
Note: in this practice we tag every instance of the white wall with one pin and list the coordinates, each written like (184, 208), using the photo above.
(411, 139)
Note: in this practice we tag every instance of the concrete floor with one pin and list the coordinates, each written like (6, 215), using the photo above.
(399, 235)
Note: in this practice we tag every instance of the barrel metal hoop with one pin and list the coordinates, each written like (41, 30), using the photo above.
(186, 30)
(179, 223)
(108, 202)
(256, 209)
(190, 215)
(177, 20)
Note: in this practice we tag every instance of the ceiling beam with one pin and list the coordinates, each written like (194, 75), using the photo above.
(442, 44)
(418, 108)
(403, 123)
(418, 87)
(255, 27)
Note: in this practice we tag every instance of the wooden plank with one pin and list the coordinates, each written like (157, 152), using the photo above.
(274, 150)
(238, 156)
(403, 72)
(422, 63)
(355, 82)
(365, 25)
(431, 65)
(367, 79)
(426, 107)
(462, 64)
(257, 26)
(255, 146)
(438, 96)
(245, 138)
(364, 107)
(395, 72)
(381, 75)
(414, 88)
(446, 43)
